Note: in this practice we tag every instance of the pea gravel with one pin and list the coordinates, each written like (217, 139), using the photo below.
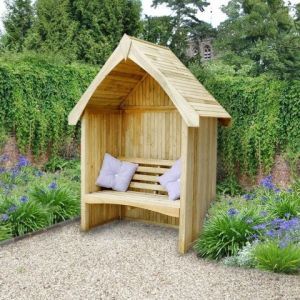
(126, 260)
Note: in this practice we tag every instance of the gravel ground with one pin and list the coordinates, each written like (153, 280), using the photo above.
(126, 260)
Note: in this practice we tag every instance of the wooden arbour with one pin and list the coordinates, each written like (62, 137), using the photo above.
(145, 106)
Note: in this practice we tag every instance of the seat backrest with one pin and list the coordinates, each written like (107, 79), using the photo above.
(146, 177)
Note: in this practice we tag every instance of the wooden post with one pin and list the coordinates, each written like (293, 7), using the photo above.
(187, 187)
(85, 208)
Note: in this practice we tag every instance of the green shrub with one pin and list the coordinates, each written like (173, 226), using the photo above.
(229, 186)
(284, 205)
(225, 233)
(27, 217)
(270, 256)
(5, 232)
(61, 203)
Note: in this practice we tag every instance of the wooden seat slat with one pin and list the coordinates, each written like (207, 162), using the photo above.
(146, 161)
(145, 178)
(146, 186)
(153, 170)
(157, 203)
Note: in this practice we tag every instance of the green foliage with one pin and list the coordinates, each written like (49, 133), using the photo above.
(5, 232)
(261, 33)
(229, 186)
(265, 117)
(269, 256)
(185, 25)
(28, 217)
(244, 257)
(60, 203)
(17, 22)
(224, 234)
(83, 30)
(286, 205)
(37, 95)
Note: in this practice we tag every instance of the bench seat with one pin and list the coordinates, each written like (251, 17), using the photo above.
(153, 202)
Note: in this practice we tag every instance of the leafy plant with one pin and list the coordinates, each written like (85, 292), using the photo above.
(229, 186)
(60, 203)
(225, 233)
(5, 232)
(270, 256)
(56, 163)
(27, 217)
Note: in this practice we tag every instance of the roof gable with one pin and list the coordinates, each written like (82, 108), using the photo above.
(187, 94)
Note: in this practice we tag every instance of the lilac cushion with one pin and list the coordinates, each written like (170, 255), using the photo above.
(170, 180)
(115, 174)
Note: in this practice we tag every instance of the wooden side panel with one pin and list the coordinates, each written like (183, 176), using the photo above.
(151, 128)
(100, 133)
(199, 157)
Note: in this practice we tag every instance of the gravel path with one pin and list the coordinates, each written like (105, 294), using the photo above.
(126, 260)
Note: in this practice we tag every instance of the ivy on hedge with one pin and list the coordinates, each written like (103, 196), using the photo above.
(36, 96)
(266, 120)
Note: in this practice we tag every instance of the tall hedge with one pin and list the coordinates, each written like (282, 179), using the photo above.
(36, 96)
(266, 120)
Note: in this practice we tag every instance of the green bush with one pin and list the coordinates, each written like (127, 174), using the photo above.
(27, 217)
(225, 233)
(265, 118)
(37, 95)
(61, 204)
(5, 232)
(270, 256)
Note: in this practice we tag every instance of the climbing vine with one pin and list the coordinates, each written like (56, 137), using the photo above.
(36, 96)
(266, 119)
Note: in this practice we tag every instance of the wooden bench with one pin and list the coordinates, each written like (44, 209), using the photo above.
(144, 190)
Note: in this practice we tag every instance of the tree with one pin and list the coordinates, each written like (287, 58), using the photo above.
(83, 30)
(260, 33)
(185, 25)
(17, 23)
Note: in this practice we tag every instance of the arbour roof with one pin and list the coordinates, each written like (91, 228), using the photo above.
(138, 58)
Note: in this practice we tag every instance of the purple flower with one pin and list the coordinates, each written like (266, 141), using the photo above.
(263, 213)
(267, 183)
(232, 212)
(248, 197)
(2, 170)
(23, 199)
(52, 186)
(259, 227)
(282, 244)
(277, 190)
(254, 236)
(271, 233)
(12, 208)
(4, 158)
(39, 173)
(23, 162)
(4, 217)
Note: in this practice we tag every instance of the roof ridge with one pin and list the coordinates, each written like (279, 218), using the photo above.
(149, 43)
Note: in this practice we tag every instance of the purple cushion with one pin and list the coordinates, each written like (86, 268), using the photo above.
(170, 180)
(115, 174)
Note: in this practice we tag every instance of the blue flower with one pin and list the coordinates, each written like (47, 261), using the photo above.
(2, 170)
(271, 233)
(12, 208)
(263, 213)
(23, 199)
(254, 236)
(232, 212)
(282, 244)
(23, 162)
(52, 186)
(287, 215)
(259, 227)
(267, 183)
(39, 173)
(277, 190)
(248, 197)
(4, 217)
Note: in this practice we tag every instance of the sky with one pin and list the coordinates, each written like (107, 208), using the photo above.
(212, 13)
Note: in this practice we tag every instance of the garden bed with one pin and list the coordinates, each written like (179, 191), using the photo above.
(32, 199)
(260, 229)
